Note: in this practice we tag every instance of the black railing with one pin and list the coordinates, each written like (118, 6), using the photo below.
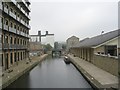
(13, 46)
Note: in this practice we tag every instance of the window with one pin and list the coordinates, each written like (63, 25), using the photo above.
(21, 55)
(6, 39)
(1, 19)
(6, 6)
(15, 12)
(11, 40)
(23, 30)
(18, 40)
(18, 15)
(1, 59)
(14, 26)
(11, 58)
(111, 49)
(25, 43)
(18, 27)
(6, 22)
(11, 24)
(14, 40)
(21, 41)
(11, 9)
(15, 56)
(0, 38)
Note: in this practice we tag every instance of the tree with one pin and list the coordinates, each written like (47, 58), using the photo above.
(64, 46)
(48, 47)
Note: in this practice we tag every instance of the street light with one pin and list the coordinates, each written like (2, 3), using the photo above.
(102, 32)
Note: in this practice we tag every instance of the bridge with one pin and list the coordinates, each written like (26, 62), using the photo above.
(56, 52)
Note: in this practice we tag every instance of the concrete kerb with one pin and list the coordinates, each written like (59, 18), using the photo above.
(91, 80)
(18, 75)
(84, 74)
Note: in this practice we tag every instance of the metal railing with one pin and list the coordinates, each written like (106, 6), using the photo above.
(14, 1)
(5, 46)
(0, 25)
(18, 19)
(1, 6)
(18, 32)
(6, 10)
(12, 15)
(13, 46)
(6, 27)
(12, 30)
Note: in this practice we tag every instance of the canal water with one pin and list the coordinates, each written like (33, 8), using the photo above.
(52, 73)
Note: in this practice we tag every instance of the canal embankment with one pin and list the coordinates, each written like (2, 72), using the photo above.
(97, 77)
(52, 72)
(16, 71)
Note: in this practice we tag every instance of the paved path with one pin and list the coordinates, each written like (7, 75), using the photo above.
(97, 76)
(19, 69)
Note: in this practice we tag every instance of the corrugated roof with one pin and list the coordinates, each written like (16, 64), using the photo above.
(97, 40)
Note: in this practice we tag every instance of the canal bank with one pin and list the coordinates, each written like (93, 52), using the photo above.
(97, 77)
(17, 71)
(52, 72)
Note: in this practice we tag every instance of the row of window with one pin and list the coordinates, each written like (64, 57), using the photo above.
(17, 57)
(15, 13)
(13, 40)
(13, 25)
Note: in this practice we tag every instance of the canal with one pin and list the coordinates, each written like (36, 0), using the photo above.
(52, 73)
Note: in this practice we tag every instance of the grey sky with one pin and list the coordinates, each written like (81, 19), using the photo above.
(65, 18)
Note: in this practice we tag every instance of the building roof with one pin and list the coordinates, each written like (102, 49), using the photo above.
(97, 40)
(72, 37)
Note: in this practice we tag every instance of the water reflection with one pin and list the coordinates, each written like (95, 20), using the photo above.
(52, 73)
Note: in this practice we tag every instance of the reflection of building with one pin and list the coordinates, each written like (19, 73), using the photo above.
(43, 39)
(14, 38)
(101, 50)
(72, 41)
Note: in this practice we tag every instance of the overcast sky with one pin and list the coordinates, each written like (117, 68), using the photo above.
(81, 18)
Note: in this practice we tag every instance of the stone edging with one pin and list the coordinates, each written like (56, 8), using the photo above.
(23, 72)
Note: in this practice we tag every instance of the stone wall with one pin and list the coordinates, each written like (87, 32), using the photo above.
(35, 46)
(109, 64)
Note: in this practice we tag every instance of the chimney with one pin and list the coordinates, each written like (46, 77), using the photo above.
(39, 34)
(46, 32)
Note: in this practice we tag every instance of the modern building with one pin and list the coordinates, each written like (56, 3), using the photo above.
(43, 39)
(71, 42)
(14, 32)
(101, 50)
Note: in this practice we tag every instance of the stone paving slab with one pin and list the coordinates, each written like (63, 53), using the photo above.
(95, 74)
(19, 70)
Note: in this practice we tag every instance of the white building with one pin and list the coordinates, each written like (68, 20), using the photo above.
(44, 39)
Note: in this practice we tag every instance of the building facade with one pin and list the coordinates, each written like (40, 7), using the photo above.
(71, 42)
(14, 32)
(102, 51)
